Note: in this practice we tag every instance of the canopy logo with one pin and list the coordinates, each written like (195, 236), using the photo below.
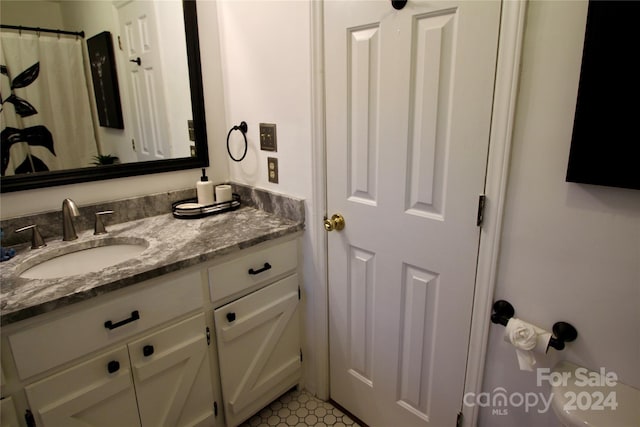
(595, 393)
(500, 401)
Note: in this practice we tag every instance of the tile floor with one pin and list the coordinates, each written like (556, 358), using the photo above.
(298, 409)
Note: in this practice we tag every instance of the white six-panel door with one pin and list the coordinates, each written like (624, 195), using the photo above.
(408, 101)
(145, 80)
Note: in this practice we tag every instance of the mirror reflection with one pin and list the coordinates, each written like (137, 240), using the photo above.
(120, 95)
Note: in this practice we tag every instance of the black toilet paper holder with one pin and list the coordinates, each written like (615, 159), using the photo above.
(562, 331)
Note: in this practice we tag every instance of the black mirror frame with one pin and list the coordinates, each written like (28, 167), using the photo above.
(73, 176)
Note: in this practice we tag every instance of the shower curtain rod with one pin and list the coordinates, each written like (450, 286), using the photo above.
(43, 30)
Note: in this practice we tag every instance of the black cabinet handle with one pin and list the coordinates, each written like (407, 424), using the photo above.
(113, 366)
(266, 267)
(231, 317)
(110, 325)
(147, 350)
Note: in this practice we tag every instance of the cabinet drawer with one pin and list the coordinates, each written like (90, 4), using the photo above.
(252, 270)
(65, 338)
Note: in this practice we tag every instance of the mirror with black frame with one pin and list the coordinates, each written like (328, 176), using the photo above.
(145, 109)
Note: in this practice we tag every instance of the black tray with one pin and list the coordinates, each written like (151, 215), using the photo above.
(190, 211)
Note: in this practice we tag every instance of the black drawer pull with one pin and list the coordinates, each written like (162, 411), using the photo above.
(231, 317)
(113, 366)
(110, 325)
(147, 350)
(266, 267)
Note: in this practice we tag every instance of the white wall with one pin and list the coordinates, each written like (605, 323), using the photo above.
(568, 251)
(35, 13)
(46, 199)
(266, 54)
(266, 57)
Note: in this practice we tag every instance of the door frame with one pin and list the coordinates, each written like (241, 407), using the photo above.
(512, 25)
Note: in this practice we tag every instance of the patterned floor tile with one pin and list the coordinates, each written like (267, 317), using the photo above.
(299, 409)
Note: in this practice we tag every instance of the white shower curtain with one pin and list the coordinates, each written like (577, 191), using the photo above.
(56, 101)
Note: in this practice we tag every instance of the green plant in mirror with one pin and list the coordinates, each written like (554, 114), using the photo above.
(105, 159)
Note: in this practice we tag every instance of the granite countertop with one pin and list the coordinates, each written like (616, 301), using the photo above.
(173, 244)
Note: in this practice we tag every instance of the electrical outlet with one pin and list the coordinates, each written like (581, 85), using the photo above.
(268, 140)
(272, 164)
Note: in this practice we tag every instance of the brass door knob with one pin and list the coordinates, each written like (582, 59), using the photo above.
(336, 222)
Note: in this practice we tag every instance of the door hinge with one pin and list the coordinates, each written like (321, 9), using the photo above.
(208, 336)
(215, 409)
(29, 419)
(459, 420)
(301, 355)
(299, 293)
(482, 199)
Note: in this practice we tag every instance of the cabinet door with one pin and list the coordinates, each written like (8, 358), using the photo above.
(259, 348)
(98, 392)
(173, 377)
(8, 416)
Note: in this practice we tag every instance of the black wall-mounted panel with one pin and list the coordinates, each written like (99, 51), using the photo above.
(605, 147)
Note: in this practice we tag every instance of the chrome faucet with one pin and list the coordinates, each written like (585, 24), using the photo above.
(69, 210)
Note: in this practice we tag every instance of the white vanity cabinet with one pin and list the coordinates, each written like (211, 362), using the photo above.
(258, 334)
(161, 352)
(162, 379)
(98, 364)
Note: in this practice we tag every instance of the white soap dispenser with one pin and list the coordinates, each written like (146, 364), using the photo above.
(204, 188)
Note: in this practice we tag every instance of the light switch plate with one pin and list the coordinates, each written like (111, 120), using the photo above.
(272, 165)
(192, 130)
(268, 140)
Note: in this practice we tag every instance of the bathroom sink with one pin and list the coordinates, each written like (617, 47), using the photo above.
(82, 258)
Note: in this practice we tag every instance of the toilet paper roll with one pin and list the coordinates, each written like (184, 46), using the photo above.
(223, 193)
(527, 339)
